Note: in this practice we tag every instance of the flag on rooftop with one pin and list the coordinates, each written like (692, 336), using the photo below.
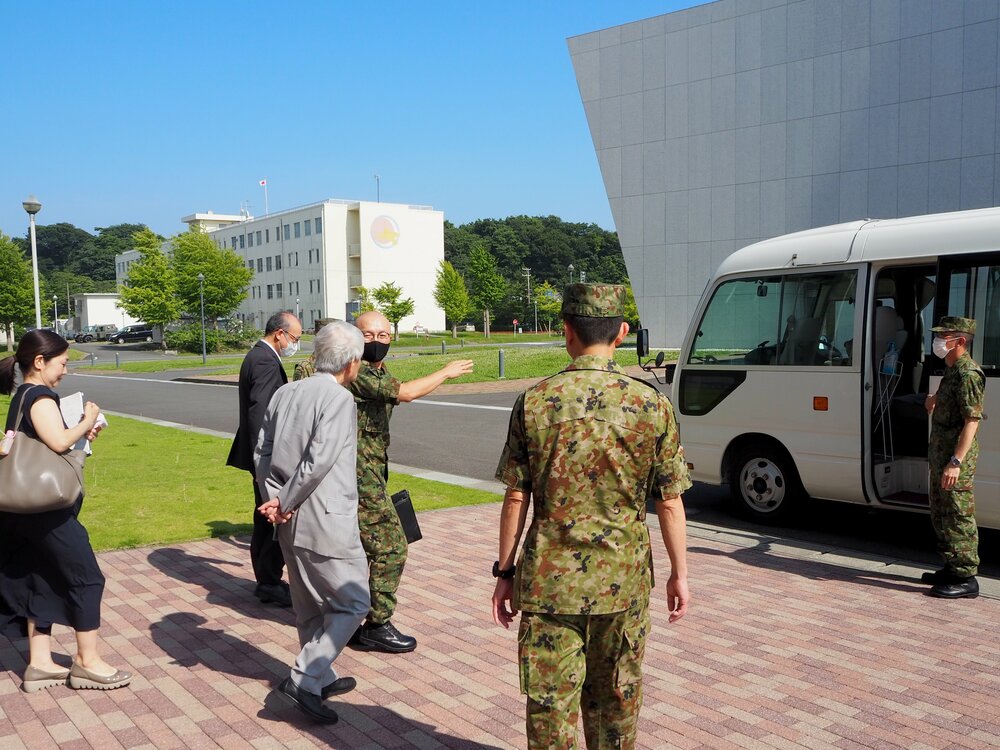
(263, 182)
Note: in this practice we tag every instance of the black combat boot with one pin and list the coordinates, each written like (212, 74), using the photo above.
(961, 588)
(383, 637)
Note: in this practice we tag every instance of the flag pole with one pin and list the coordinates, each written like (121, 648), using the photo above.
(263, 184)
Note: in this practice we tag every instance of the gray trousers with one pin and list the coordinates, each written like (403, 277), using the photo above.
(330, 599)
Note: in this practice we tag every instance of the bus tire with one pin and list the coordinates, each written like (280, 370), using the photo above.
(764, 483)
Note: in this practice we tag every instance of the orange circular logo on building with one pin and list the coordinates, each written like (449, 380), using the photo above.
(385, 232)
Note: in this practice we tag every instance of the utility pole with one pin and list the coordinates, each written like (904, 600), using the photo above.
(526, 272)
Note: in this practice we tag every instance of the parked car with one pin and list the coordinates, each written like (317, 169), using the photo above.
(91, 333)
(137, 332)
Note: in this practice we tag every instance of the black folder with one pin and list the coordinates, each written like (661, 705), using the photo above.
(407, 516)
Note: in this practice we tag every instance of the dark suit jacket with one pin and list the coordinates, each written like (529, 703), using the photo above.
(260, 376)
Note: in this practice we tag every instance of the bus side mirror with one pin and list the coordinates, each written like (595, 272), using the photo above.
(642, 342)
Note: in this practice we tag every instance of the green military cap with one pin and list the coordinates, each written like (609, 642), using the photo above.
(594, 300)
(951, 323)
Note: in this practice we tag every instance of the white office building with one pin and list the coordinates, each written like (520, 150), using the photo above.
(313, 259)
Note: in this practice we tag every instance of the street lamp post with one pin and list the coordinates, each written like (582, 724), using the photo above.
(297, 307)
(571, 269)
(32, 206)
(55, 313)
(201, 292)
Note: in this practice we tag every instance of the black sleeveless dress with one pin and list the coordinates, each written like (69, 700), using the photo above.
(48, 571)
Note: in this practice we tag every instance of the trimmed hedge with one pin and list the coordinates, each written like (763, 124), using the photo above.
(188, 339)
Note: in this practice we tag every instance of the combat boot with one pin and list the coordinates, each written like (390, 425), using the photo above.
(383, 637)
(962, 588)
(944, 575)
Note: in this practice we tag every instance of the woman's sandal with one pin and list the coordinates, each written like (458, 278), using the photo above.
(36, 679)
(84, 679)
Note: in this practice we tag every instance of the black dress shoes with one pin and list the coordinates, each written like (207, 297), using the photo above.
(944, 575)
(274, 593)
(384, 638)
(338, 687)
(308, 703)
(960, 588)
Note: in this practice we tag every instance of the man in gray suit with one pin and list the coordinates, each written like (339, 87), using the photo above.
(306, 465)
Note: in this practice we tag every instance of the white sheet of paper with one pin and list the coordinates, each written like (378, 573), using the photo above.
(72, 412)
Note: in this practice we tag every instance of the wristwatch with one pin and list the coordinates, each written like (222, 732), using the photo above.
(505, 574)
(955, 462)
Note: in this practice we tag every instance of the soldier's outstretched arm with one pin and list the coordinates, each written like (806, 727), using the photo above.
(414, 389)
(670, 512)
(512, 519)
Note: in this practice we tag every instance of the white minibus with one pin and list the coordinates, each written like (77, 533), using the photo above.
(806, 365)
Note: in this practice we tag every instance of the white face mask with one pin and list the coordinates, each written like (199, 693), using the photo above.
(940, 347)
(290, 350)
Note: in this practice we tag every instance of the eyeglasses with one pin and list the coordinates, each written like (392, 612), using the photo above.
(382, 336)
(290, 337)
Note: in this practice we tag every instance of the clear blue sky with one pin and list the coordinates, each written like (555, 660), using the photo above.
(145, 112)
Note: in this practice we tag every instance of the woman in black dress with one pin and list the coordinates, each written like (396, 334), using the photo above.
(48, 571)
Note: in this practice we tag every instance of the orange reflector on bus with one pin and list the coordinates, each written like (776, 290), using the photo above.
(821, 403)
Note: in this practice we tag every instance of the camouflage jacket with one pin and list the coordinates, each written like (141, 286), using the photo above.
(305, 369)
(591, 445)
(375, 392)
(959, 397)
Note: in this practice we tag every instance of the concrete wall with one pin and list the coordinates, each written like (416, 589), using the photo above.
(739, 120)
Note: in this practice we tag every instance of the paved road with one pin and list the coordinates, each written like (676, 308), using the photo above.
(463, 434)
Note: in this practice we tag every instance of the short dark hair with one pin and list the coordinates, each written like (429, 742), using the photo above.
(34, 343)
(279, 321)
(592, 331)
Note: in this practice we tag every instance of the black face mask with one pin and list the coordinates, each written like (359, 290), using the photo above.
(375, 351)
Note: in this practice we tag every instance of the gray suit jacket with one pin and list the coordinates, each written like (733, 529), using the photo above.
(307, 457)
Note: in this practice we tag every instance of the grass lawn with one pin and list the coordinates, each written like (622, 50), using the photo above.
(230, 363)
(154, 485)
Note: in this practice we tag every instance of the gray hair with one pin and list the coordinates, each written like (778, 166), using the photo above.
(336, 346)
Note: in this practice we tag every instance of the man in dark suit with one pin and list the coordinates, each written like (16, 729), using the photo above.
(260, 376)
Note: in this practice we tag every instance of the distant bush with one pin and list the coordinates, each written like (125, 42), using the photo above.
(188, 339)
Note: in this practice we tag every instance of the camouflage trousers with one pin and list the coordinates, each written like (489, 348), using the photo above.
(385, 546)
(588, 662)
(953, 514)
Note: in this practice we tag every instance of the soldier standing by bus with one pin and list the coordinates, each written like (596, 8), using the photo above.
(588, 445)
(955, 412)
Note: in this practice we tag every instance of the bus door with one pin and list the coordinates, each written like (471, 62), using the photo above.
(898, 363)
(970, 288)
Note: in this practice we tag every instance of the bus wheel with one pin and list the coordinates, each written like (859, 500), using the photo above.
(764, 484)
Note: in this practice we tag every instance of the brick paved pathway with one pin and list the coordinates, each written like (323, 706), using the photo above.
(778, 652)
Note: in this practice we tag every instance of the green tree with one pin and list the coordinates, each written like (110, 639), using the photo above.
(365, 301)
(150, 292)
(57, 245)
(226, 276)
(387, 296)
(488, 286)
(451, 295)
(96, 258)
(549, 303)
(631, 310)
(17, 297)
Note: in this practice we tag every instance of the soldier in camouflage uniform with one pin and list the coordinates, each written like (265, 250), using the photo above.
(305, 369)
(376, 392)
(955, 411)
(588, 446)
